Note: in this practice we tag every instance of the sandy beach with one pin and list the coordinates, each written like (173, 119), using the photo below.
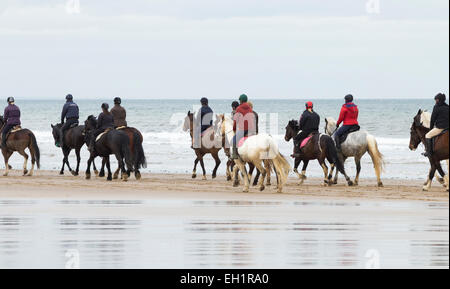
(49, 184)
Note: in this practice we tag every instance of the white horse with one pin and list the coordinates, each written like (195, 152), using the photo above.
(257, 150)
(356, 145)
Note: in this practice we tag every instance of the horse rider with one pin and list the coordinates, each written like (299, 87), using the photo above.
(349, 116)
(119, 113)
(308, 124)
(244, 124)
(105, 121)
(234, 106)
(70, 113)
(438, 123)
(256, 117)
(11, 117)
(204, 120)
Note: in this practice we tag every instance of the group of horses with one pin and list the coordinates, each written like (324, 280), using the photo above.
(258, 152)
(261, 152)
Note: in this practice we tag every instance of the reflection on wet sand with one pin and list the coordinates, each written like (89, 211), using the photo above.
(216, 234)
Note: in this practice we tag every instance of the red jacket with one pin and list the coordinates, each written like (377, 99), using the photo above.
(242, 121)
(349, 114)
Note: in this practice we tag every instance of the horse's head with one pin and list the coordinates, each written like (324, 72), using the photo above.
(291, 130)
(419, 127)
(56, 131)
(330, 125)
(90, 123)
(2, 121)
(188, 121)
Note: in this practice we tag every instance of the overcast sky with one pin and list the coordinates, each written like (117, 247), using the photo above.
(222, 48)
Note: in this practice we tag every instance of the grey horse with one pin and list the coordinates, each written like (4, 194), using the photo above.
(356, 145)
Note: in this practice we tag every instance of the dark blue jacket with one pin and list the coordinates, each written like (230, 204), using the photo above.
(105, 120)
(206, 117)
(12, 115)
(70, 110)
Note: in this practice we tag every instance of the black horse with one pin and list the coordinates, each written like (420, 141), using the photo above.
(113, 142)
(73, 139)
(320, 147)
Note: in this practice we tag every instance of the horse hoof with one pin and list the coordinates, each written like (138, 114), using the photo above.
(88, 176)
(30, 175)
(137, 176)
(380, 185)
(204, 178)
(228, 178)
(194, 176)
(61, 173)
(245, 190)
(334, 182)
(101, 175)
(96, 172)
(115, 177)
(74, 173)
(5, 175)
(355, 183)
(254, 184)
(425, 189)
(109, 179)
(350, 184)
(214, 176)
(262, 188)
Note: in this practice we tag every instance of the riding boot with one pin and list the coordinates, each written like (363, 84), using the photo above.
(338, 143)
(428, 147)
(297, 149)
(235, 154)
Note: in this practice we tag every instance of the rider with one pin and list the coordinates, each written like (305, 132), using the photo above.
(256, 117)
(206, 115)
(308, 124)
(438, 123)
(119, 113)
(105, 120)
(234, 106)
(70, 113)
(244, 123)
(11, 117)
(348, 115)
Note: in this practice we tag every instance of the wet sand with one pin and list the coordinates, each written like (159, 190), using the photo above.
(49, 184)
(172, 221)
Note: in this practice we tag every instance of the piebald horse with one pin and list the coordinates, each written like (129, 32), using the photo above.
(419, 128)
(356, 145)
(211, 143)
(17, 142)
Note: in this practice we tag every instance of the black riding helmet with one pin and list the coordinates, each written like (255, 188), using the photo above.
(204, 101)
(348, 98)
(117, 100)
(235, 104)
(10, 99)
(105, 106)
(441, 97)
(69, 97)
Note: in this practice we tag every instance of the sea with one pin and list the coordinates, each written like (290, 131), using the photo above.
(168, 148)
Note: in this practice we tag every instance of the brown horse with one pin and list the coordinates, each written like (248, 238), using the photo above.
(210, 144)
(419, 128)
(319, 147)
(137, 152)
(18, 141)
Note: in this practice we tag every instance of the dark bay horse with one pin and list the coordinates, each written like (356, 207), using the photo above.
(17, 142)
(73, 139)
(319, 147)
(419, 128)
(210, 144)
(137, 151)
(113, 142)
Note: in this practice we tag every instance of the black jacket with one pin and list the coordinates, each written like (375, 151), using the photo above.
(309, 121)
(439, 117)
(206, 117)
(105, 120)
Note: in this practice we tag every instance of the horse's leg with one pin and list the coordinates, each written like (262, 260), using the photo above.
(203, 168)
(302, 176)
(88, 168)
(106, 160)
(330, 174)
(427, 187)
(61, 172)
(268, 169)
(66, 159)
(243, 170)
(194, 171)
(441, 180)
(6, 156)
(217, 160)
(251, 169)
(446, 176)
(116, 173)
(228, 171)
(25, 158)
(358, 169)
(263, 173)
(123, 171)
(325, 171)
(102, 169)
(94, 167)
(33, 160)
(77, 170)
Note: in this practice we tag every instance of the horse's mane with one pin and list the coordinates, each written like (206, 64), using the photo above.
(425, 119)
(330, 120)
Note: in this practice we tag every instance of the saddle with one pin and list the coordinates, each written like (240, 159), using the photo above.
(306, 140)
(102, 134)
(433, 139)
(13, 130)
(344, 136)
(73, 125)
(209, 130)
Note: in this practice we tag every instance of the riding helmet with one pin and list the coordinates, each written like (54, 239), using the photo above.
(309, 104)
(243, 98)
(105, 106)
(69, 97)
(235, 104)
(117, 100)
(204, 101)
(10, 99)
(441, 97)
(348, 98)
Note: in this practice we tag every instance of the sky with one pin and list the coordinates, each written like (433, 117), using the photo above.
(222, 48)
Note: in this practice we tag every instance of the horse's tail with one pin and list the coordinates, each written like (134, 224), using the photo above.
(126, 153)
(377, 157)
(139, 155)
(36, 154)
(332, 155)
(280, 163)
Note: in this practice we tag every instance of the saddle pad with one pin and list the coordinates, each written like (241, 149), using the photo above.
(15, 129)
(121, 127)
(100, 136)
(305, 141)
(242, 141)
